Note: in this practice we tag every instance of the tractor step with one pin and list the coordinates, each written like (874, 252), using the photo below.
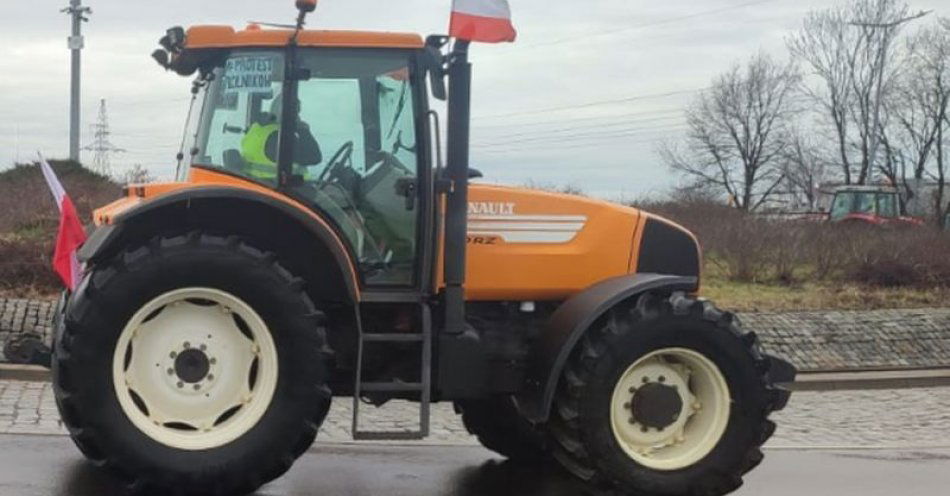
(389, 436)
(423, 388)
(392, 338)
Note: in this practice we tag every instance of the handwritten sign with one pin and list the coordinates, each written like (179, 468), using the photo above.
(249, 74)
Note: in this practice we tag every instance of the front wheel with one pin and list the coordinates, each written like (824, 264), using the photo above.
(192, 365)
(666, 397)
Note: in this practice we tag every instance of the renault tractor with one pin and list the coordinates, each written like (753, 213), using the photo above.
(315, 247)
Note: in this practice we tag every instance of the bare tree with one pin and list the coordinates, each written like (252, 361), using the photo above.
(138, 174)
(927, 86)
(846, 49)
(804, 168)
(737, 132)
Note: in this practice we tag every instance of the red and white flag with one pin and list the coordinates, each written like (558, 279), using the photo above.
(487, 21)
(71, 233)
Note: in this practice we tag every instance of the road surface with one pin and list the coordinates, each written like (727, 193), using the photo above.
(49, 466)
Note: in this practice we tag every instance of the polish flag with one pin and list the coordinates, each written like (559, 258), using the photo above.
(71, 234)
(487, 21)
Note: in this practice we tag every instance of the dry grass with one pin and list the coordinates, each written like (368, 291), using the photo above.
(815, 295)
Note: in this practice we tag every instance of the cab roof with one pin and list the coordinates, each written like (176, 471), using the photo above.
(199, 37)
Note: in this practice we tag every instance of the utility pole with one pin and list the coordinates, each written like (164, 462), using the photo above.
(101, 145)
(76, 43)
(886, 38)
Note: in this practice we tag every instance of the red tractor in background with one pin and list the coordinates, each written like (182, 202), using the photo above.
(869, 205)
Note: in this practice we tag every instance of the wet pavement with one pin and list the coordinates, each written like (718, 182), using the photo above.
(50, 466)
(840, 419)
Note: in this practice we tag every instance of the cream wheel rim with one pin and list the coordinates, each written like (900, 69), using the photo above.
(670, 409)
(195, 369)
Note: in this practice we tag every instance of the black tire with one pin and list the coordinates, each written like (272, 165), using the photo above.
(500, 427)
(105, 301)
(583, 440)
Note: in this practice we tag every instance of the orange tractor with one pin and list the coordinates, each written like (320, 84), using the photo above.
(218, 315)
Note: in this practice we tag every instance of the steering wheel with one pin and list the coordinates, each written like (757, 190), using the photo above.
(338, 161)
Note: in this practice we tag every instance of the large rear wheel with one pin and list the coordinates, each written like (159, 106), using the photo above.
(666, 397)
(193, 365)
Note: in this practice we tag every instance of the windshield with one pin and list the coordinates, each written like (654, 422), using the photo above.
(851, 202)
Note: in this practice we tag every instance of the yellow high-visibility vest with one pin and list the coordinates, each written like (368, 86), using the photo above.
(254, 151)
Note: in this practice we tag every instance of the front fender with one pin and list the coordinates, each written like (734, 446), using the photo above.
(568, 324)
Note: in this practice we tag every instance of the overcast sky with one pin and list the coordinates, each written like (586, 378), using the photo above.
(582, 98)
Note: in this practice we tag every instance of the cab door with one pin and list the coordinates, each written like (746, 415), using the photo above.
(365, 112)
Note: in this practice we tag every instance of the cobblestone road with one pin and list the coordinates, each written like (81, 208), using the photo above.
(889, 418)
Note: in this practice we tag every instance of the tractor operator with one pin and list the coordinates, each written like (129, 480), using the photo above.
(260, 145)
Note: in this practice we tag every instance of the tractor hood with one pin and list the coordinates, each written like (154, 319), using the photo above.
(534, 245)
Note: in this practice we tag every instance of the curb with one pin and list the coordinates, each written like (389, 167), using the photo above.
(25, 373)
(871, 379)
(806, 381)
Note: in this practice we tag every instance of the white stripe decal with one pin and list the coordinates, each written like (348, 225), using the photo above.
(484, 8)
(528, 226)
(529, 218)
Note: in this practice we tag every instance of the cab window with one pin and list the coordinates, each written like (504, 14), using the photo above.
(239, 129)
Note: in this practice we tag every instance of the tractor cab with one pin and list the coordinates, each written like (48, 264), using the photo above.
(870, 204)
(334, 120)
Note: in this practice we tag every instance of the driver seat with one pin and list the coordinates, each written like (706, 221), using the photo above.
(233, 161)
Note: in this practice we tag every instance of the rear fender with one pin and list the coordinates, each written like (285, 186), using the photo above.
(568, 324)
(282, 226)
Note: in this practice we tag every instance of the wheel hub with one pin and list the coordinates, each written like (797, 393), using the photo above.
(192, 366)
(670, 408)
(656, 405)
(195, 368)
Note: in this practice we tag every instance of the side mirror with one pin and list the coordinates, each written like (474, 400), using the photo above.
(475, 173)
(435, 65)
(161, 56)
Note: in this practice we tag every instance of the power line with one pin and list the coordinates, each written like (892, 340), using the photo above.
(670, 20)
(677, 110)
(575, 131)
(591, 104)
(580, 145)
(570, 141)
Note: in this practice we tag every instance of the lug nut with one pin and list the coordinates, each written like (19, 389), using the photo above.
(210, 377)
(632, 390)
(644, 429)
(197, 387)
(186, 345)
(181, 384)
(626, 406)
(633, 421)
(213, 361)
(171, 371)
(203, 347)
(172, 355)
(662, 378)
(646, 380)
